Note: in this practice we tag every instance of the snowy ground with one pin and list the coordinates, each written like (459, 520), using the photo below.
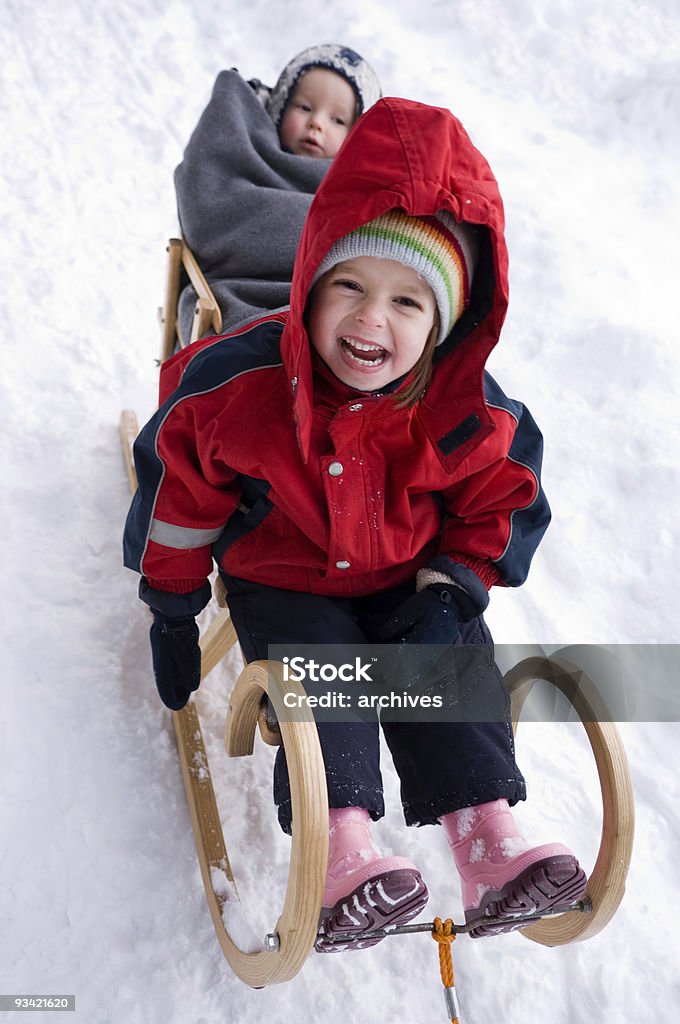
(577, 107)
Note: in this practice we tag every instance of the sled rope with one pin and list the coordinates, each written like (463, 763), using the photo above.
(443, 933)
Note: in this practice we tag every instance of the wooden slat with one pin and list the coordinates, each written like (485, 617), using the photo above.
(207, 314)
(168, 314)
(216, 640)
(128, 434)
(205, 819)
(201, 286)
(202, 320)
(297, 926)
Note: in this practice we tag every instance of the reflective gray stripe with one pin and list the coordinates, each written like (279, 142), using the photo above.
(182, 536)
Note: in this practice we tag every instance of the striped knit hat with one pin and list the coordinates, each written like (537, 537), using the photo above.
(439, 249)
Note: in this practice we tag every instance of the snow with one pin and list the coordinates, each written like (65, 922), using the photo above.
(576, 105)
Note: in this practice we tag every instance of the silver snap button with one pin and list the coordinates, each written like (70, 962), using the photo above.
(356, 408)
(342, 565)
(335, 468)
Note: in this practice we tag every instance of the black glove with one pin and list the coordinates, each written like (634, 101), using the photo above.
(176, 658)
(431, 616)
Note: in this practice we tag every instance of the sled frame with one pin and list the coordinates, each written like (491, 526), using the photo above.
(606, 883)
(294, 934)
(295, 931)
(181, 268)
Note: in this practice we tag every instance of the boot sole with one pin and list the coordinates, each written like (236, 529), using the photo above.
(389, 899)
(549, 883)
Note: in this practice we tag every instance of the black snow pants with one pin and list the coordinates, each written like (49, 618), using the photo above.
(442, 765)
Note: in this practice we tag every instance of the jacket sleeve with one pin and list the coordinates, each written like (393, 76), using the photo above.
(184, 499)
(498, 513)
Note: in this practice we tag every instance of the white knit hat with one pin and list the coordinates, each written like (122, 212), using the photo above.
(440, 249)
(341, 59)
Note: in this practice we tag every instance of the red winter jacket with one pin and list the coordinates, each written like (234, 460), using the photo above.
(289, 478)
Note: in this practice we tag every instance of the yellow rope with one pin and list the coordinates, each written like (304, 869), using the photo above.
(443, 934)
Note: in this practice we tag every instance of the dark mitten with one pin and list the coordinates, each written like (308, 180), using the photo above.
(176, 658)
(433, 614)
(429, 617)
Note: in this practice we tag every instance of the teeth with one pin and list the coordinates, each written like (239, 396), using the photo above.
(365, 362)
(362, 346)
(378, 359)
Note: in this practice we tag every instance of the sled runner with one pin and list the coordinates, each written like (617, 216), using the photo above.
(284, 950)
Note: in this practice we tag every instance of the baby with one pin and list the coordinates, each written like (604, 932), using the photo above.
(242, 190)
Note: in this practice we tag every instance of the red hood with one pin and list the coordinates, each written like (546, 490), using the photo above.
(418, 158)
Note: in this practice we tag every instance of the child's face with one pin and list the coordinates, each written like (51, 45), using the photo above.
(319, 115)
(369, 320)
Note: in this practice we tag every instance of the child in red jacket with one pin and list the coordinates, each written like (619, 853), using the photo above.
(360, 479)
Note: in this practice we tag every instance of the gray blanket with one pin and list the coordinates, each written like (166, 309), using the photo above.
(242, 202)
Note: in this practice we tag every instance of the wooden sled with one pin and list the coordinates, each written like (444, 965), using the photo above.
(286, 948)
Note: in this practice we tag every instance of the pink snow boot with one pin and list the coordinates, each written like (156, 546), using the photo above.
(363, 890)
(502, 875)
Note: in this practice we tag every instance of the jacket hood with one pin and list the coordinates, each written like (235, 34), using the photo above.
(417, 158)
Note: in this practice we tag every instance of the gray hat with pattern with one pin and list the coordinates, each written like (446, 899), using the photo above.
(341, 59)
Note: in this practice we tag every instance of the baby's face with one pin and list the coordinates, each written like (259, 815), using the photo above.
(319, 115)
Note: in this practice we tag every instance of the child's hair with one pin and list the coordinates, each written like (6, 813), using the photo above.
(341, 59)
(421, 373)
(440, 249)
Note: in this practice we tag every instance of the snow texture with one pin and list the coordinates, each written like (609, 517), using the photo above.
(576, 104)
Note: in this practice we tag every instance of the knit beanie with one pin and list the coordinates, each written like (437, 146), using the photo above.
(345, 62)
(439, 249)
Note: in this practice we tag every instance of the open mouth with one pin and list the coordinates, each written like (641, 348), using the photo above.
(363, 353)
